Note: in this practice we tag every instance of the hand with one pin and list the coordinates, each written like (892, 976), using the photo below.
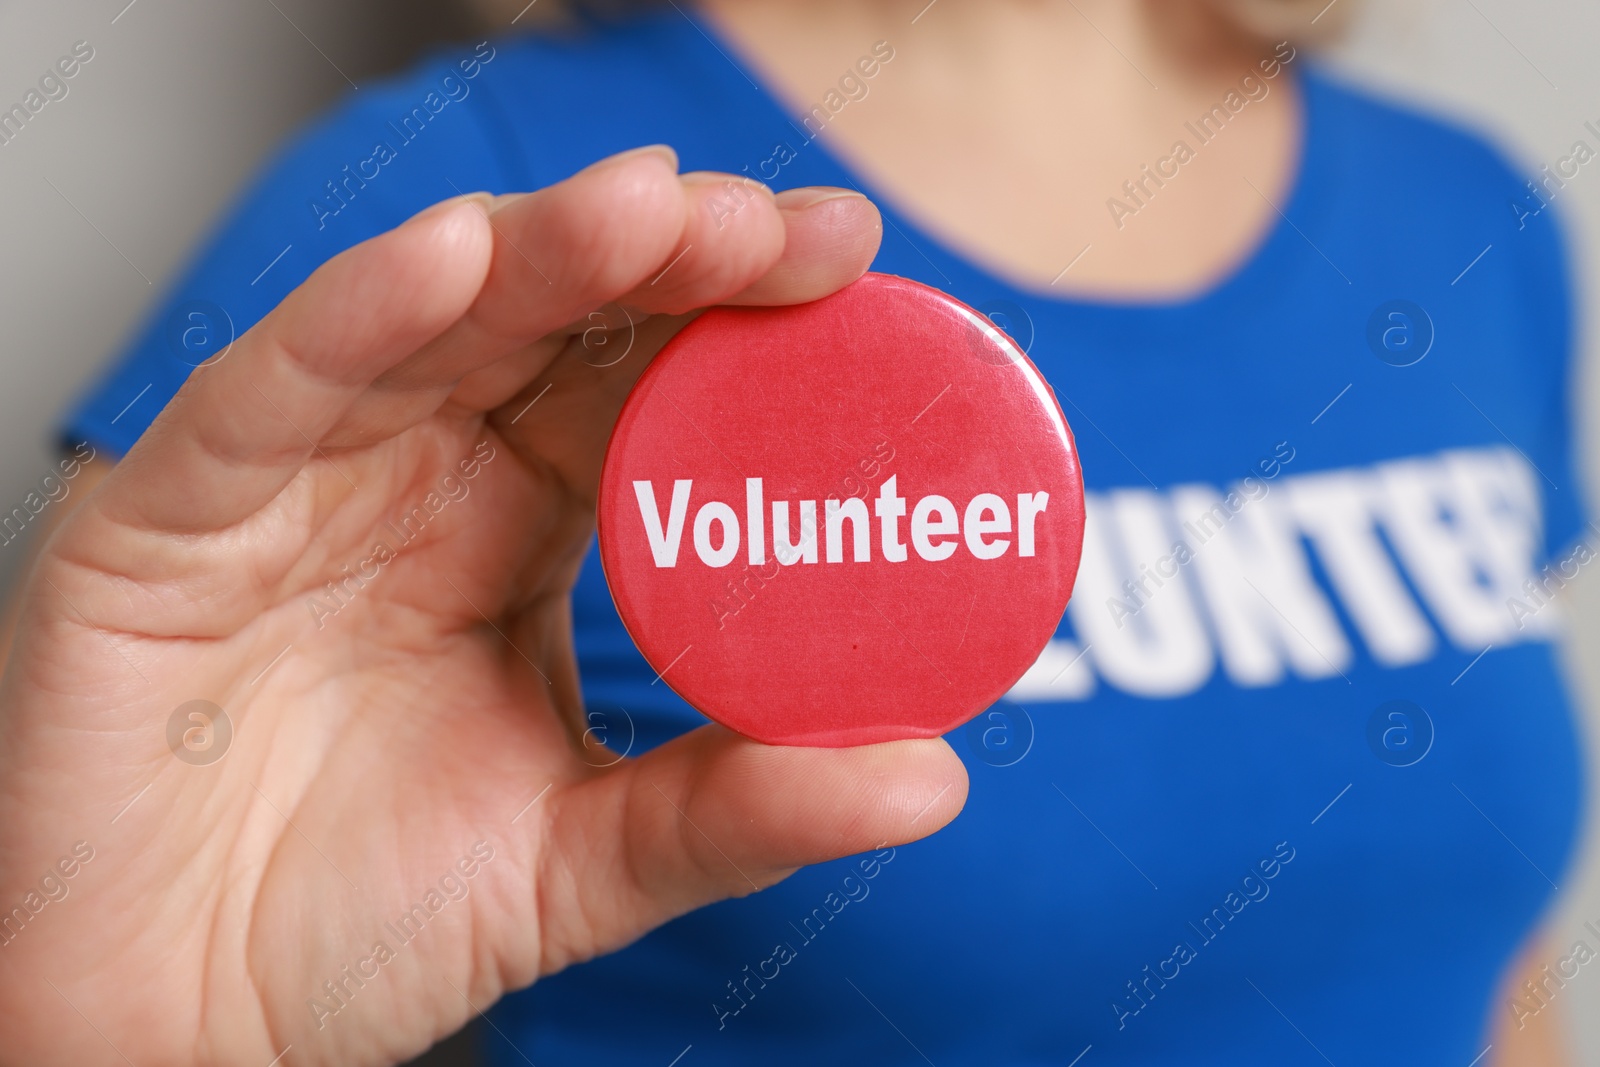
(428, 727)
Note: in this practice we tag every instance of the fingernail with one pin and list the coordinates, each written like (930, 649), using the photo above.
(811, 195)
(484, 201)
(504, 200)
(717, 177)
(664, 151)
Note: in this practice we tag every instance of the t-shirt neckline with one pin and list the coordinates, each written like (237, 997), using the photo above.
(1281, 252)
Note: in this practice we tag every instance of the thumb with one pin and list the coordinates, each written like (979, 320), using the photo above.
(713, 815)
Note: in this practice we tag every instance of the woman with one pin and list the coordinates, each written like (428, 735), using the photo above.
(1293, 784)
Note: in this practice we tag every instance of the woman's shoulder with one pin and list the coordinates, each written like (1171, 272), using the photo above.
(1403, 178)
(562, 97)
(1414, 153)
(591, 67)
(591, 41)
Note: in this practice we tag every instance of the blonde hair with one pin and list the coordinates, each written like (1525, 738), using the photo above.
(1305, 21)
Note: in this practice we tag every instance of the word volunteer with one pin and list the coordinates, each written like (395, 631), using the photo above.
(936, 532)
(1415, 554)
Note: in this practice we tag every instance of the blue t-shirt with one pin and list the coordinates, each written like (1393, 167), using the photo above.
(1298, 774)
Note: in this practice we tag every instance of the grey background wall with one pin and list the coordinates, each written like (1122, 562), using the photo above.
(110, 187)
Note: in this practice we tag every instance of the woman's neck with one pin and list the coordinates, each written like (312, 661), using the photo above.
(1013, 128)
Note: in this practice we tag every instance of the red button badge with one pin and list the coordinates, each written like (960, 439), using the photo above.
(843, 522)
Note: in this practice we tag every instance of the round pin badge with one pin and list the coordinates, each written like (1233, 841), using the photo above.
(842, 522)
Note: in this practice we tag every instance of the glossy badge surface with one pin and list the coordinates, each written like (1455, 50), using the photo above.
(849, 521)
